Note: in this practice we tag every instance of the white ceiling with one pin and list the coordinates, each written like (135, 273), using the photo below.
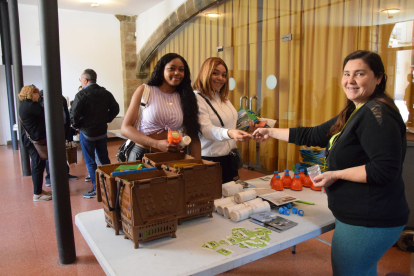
(125, 7)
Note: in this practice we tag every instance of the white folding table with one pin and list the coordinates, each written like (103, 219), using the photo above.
(184, 254)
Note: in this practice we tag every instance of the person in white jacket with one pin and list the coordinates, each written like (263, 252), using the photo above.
(218, 117)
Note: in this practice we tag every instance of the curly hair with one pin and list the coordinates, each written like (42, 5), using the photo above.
(374, 62)
(188, 100)
(203, 83)
(27, 92)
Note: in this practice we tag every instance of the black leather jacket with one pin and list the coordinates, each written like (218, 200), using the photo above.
(92, 109)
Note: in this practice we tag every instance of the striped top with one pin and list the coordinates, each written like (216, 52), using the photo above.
(163, 112)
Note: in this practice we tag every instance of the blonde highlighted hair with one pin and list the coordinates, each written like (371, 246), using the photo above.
(27, 92)
(203, 83)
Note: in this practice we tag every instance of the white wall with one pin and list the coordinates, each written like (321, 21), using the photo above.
(148, 21)
(31, 75)
(87, 40)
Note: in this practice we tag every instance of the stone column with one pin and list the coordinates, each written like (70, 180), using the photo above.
(129, 56)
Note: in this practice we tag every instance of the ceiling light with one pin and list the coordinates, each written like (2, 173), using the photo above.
(94, 1)
(212, 15)
(95, 5)
(390, 11)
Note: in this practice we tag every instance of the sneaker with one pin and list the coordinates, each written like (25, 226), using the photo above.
(46, 192)
(88, 178)
(72, 177)
(90, 194)
(42, 197)
(47, 184)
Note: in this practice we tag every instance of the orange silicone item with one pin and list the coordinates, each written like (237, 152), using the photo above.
(307, 182)
(302, 176)
(296, 184)
(174, 137)
(287, 181)
(276, 183)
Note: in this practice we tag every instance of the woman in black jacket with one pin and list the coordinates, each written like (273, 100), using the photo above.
(32, 115)
(365, 148)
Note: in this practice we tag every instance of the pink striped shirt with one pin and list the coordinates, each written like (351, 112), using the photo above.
(163, 112)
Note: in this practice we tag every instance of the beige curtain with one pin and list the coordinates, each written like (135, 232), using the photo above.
(270, 98)
(308, 68)
(323, 32)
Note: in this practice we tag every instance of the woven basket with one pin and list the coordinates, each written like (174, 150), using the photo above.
(72, 153)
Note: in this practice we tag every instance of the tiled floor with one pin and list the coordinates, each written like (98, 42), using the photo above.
(28, 238)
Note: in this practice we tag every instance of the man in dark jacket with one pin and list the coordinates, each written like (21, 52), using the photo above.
(69, 132)
(92, 109)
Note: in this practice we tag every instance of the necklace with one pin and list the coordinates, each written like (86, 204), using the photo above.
(167, 102)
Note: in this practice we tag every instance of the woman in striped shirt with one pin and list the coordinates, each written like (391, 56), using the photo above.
(171, 105)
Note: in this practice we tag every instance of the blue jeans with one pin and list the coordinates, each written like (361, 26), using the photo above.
(356, 250)
(88, 149)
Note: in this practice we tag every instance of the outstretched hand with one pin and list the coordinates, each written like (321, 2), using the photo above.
(261, 134)
(239, 135)
(165, 146)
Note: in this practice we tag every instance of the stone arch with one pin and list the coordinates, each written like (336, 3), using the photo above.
(177, 18)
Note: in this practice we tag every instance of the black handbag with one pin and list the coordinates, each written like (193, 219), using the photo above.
(236, 158)
(235, 154)
(124, 150)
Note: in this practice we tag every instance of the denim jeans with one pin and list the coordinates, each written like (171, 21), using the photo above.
(88, 150)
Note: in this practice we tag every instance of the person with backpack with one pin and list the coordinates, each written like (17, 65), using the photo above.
(171, 105)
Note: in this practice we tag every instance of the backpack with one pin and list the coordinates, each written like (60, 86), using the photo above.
(126, 148)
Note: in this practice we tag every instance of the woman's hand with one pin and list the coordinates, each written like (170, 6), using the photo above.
(164, 146)
(261, 134)
(239, 135)
(325, 180)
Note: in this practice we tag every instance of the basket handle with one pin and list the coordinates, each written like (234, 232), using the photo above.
(106, 194)
(118, 193)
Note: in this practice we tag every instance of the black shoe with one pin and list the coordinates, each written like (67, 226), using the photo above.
(90, 194)
(72, 177)
(47, 184)
(88, 178)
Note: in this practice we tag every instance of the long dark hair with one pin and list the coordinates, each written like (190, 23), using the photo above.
(188, 100)
(373, 60)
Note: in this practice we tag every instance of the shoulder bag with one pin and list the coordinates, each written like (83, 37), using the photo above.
(235, 154)
(126, 148)
(40, 145)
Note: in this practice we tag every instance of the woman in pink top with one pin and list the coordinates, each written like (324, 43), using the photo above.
(170, 92)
